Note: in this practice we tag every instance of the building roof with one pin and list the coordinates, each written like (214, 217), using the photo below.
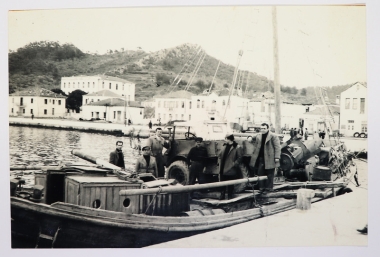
(104, 93)
(42, 92)
(177, 94)
(104, 77)
(322, 110)
(116, 102)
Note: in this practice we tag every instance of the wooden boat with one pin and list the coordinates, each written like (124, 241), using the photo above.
(82, 206)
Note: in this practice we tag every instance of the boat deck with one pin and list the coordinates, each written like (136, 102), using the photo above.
(332, 222)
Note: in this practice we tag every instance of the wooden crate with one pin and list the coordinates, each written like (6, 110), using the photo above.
(101, 193)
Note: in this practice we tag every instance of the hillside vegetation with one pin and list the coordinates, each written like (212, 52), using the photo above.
(42, 64)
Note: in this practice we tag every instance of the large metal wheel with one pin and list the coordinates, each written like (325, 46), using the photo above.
(362, 135)
(179, 171)
(356, 134)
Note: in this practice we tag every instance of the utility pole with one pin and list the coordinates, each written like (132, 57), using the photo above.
(277, 88)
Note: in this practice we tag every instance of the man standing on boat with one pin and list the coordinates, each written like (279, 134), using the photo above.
(196, 158)
(117, 156)
(146, 163)
(266, 156)
(229, 161)
(306, 134)
(156, 144)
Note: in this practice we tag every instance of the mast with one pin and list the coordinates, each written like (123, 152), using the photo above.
(277, 103)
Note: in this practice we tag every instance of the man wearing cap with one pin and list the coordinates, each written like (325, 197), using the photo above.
(156, 144)
(146, 163)
(117, 156)
(229, 160)
(266, 156)
(196, 160)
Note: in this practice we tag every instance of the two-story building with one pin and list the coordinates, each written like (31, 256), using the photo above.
(115, 110)
(173, 106)
(322, 118)
(354, 110)
(40, 102)
(92, 84)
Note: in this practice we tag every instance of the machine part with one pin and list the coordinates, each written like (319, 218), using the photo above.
(179, 171)
(286, 162)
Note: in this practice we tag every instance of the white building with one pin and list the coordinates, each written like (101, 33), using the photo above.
(114, 110)
(353, 109)
(91, 84)
(42, 103)
(99, 96)
(215, 107)
(263, 110)
(315, 120)
(173, 106)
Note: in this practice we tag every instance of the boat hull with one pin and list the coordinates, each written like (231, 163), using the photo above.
(64, 225)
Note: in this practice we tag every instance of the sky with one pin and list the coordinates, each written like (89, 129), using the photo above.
(318, 45)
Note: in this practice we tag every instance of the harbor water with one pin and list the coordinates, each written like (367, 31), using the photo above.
(41, 147)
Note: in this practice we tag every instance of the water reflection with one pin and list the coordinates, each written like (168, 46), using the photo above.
(38, 147)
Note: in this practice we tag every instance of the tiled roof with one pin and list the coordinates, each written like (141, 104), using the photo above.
(177, 94)
(116, 102)
(104, 93)
(37, 92)
(324, 111)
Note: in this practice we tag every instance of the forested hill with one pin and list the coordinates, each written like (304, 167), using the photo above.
(42, 64)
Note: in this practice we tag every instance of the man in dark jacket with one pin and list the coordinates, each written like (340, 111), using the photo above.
(266, 156)
(229, 162)
(196, 159)
(117, 156)
(146, 163)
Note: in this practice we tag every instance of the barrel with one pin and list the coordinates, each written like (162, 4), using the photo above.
(204, 212)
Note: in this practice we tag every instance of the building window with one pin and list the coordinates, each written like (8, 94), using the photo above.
(52, 111)
(59, 102)
(189, 117)
(73, 84)
(362, 105)
(354, 103)
(49, 100)
(53, 101)
(31, 111)
(92, 114)
(114, 114)
(31, 100)
(224, 102)
(350, 121)
(45, 101)
(93, 84)
(348, 100)
(104, 115)
(98, 100)
(69, 85)
(12, 110)
(103, 84)
(110, 85)
(45, 111)
(86, 101)
(182, 116)
(117, 87)
(23, 110)
(348, 127)
(140, 111)
(203, 104)
(64, 85)
(183, 104)
(190, 105)
(198, 103)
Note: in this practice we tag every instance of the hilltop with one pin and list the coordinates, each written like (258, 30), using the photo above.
(42, 64)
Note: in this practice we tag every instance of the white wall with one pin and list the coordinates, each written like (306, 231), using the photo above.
(353, 117)
(52, 108)
(114, 114)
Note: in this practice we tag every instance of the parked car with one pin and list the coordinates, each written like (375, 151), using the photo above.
(361, 134)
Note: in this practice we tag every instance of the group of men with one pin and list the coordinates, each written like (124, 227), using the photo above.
(264, 159)
(294, 132)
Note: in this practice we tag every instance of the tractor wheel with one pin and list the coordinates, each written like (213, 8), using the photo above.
(356, 134)
(179, 171)
(362, 135)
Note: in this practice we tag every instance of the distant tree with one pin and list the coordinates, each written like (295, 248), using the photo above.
(149, 112)
(58, 91)
(303, 91)
(74, 100)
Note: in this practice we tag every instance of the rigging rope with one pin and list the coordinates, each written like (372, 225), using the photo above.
(199, 63)
(212, 82)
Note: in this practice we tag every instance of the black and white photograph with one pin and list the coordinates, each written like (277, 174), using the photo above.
(160, 126)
